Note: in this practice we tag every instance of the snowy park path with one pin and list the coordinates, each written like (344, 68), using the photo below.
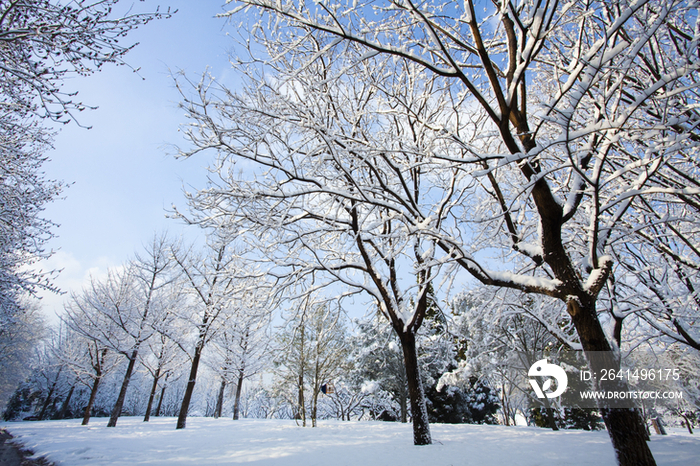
(208, 441)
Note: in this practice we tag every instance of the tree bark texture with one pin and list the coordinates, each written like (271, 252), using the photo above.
(624, 425)
(117, 411)
(160, 400)
(66, 404)
(237, 399)
(152, 395)
(220, 399)
(185, 407)
(419, 413)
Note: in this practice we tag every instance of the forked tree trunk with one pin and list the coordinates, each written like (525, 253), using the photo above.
(185, 407)
(117, 410)
(623, 424)
(152, 395)
(419, 413)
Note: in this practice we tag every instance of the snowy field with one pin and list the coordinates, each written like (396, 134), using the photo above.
(208, 441)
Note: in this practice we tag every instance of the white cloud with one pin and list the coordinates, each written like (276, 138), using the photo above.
(72, 277)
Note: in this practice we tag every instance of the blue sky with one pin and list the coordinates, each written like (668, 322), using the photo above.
(122, 172)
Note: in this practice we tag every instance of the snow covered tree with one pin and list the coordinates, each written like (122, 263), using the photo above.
(125, 310)
(653, 286)
(18, 340)
(474, 403)
(240, 349)
(312, 351)
(217, 282)
(52, 379)
(503, 334)
(152, 276)
(24, 193)
(347, 398)
(328, 352)
(380, 368)
(47, 41)
(163, 357)
(472, 400)
(89, 358)
(43, 43)
(591, 110)
(321, 206)
(104, 312)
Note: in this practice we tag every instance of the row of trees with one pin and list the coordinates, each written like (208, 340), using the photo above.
(158, 312)
(169, 301)
(313, 365)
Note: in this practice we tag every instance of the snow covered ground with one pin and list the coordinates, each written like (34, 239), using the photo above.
(208, 441)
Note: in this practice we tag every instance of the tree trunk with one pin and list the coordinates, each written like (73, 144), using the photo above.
(220, 399)
(160, 401)
(152, 395)
(506, 409)
(301, 401)
(403, 404)
(316, 388)
(237, 399)
(624, 425)
(117, 411)
(302, 364)
(93, 394)
(687, 423)
(66, 403)
(185, 407)
(314, 407)
(419, 413)
(549, 412)
(49, 395)
(623, 428)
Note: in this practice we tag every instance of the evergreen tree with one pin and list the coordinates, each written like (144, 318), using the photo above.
(475, 403)
(20, 403)
(380, 367)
